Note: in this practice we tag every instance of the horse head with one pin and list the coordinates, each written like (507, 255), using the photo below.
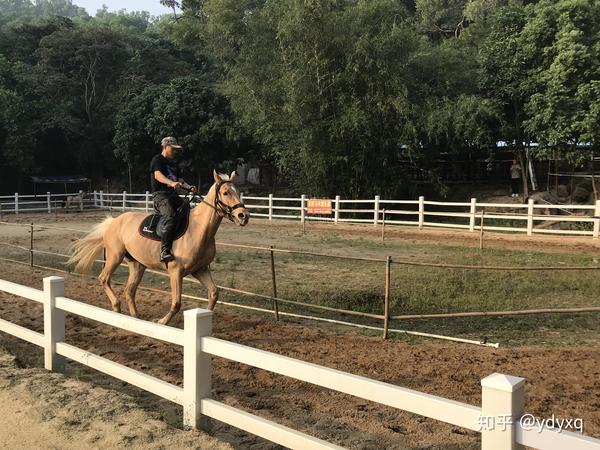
(227, 199)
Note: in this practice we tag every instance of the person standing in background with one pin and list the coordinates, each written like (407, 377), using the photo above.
(515, 178)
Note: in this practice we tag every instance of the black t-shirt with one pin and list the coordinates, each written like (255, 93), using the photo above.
(168, 168)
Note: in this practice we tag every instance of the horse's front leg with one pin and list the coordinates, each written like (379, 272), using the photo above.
(176, 281)
(204, 276)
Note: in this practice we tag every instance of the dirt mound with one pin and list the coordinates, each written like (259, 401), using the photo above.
(42, 410)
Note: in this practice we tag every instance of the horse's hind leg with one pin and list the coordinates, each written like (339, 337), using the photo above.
(113, 259)
(204, 276)
(136, 272)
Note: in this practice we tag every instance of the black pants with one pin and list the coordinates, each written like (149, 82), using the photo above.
(166, 204)
(514, 183)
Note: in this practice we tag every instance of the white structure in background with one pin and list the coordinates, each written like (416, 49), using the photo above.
(253, 175)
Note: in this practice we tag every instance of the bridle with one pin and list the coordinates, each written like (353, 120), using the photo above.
(223, 209)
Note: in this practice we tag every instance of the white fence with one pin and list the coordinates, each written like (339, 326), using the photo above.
(420, 213)
(502, 395)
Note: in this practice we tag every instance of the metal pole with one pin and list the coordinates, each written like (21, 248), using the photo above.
(383, 225)
(386, 304)
(31, 244)
(481, 230)
(275, 305)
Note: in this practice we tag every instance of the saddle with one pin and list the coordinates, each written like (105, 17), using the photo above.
(152, 225)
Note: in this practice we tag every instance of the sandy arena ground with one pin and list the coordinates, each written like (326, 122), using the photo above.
(560, 381)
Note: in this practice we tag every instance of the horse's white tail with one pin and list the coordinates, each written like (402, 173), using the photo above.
(85, 250)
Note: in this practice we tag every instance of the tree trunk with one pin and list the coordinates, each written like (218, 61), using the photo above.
(524, 175)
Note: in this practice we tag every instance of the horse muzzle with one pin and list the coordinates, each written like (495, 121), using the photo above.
(241, 217)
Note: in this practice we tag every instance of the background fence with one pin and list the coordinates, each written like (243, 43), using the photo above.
(385, 317)
(503, 397)
(527, 218)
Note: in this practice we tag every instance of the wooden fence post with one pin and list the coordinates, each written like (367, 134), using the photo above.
(530, 217)
(270, 207)
(386, 302)
(472, 214)
(197, 366)
(16, 203)
(54, 323)
(336, 216)
(383, 224)
(124, 199)
(31, 244)
(421, 212)
(48, 203)
(147, 201)
(597, 220)
(481, 229)
(376, 211)
(274, 280)
(502, 404)
(101, 199)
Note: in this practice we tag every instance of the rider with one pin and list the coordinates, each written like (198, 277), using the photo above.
(165, 178)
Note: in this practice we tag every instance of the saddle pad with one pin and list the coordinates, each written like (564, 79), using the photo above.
(182, 221)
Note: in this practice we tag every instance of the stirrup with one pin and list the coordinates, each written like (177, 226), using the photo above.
(166, 256)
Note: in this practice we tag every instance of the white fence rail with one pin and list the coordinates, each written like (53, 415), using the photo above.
(502, 395)
(420, 213)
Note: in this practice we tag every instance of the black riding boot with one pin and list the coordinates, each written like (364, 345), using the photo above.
(166, 241)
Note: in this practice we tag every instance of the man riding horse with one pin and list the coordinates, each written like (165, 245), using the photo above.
(165, 179)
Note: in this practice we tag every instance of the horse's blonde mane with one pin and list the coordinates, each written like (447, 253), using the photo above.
(224, 176)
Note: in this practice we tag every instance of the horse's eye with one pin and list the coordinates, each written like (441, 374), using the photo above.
(226, 193)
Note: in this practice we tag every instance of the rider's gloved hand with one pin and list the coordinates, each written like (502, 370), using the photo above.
(194, 189)
(176, 185)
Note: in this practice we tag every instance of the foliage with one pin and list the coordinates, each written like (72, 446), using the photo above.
(349, 97)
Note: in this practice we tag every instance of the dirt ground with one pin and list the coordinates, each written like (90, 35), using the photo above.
(563, 381)
(42, 410)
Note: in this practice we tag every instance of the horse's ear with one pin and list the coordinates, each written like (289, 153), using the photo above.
(232, 176)
(216, 176)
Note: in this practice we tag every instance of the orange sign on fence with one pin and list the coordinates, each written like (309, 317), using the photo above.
(318, 206)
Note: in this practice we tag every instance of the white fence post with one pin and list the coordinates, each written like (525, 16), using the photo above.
(101, 198)
(336, 216)
(197, 366)
(124, 199)
(16, 203)
(54, 323)
(48, 202)
(147, 201)
(502, 404)
(376, 211)
(597, 220)
(95, 199)
(421, 212)
(472, 213)
(530, 217)
(270, 206)
(302, 206)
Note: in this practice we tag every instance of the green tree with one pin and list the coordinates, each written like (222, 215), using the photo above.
(188, 108)
(562, 42)
(504, 74)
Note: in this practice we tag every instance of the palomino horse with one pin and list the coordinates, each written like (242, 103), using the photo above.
(193, 252)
